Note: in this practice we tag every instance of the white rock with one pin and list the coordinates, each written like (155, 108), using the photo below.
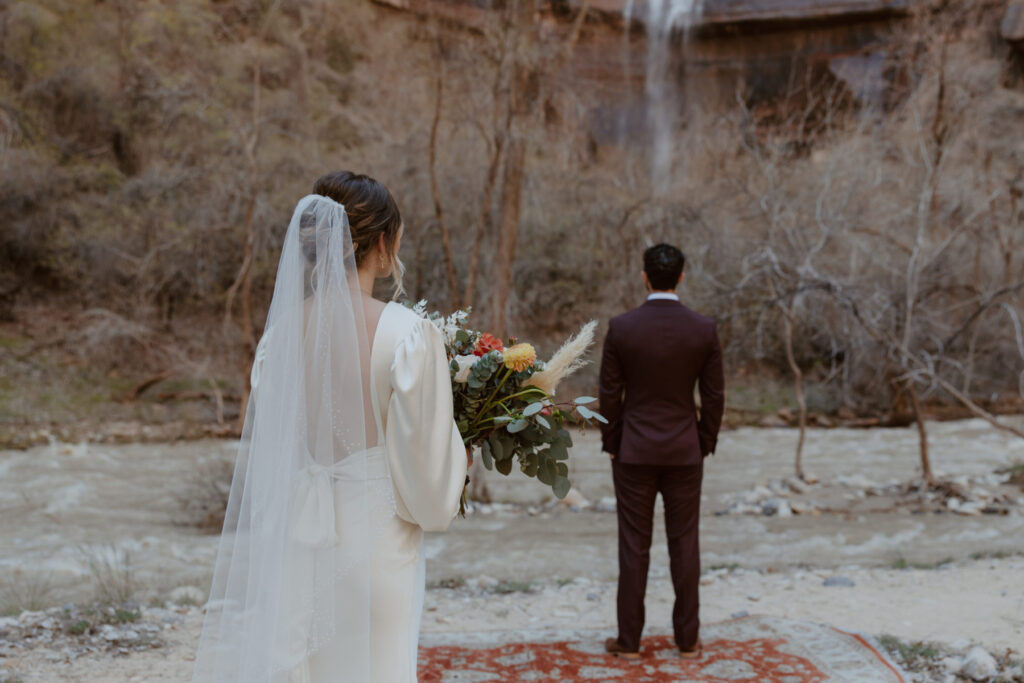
(970, 508)
(487, 582)
(777, 507)
(574, 499)
(28, 617)
(606, 504)
(979, 665)
(800, 508)
(108, 632)
(798, 486)
(960, 645)
(187, 594)
(952, 664)
(856, 481)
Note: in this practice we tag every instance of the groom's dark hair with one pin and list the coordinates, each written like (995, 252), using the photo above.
(663, 264)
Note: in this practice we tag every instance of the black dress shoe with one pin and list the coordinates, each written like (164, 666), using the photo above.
(612, 647)
(695, 653)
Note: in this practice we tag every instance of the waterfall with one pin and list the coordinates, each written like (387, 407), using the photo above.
(662, 19)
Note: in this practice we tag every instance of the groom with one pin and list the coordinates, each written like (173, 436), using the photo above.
(657, 439)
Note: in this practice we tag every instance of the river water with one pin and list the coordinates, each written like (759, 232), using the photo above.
(75, 518)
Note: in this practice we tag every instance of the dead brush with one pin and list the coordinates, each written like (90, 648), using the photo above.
(112, 573)
(105, 339)
(22, 591)
(205, 500)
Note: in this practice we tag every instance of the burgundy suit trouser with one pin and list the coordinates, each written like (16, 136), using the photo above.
(636, 487)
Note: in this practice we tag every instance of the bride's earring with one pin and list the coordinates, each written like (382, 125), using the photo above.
(383, 266)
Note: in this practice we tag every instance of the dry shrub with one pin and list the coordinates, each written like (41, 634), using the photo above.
(206, 501)
(112, 573)
(22, 590)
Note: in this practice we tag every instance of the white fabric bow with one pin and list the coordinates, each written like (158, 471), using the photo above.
(314, 507)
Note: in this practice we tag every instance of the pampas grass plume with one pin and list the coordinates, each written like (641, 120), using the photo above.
(566, 360)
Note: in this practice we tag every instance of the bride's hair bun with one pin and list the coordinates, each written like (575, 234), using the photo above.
(371, 212)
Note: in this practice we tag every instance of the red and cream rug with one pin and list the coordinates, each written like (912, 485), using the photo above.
(751, 649)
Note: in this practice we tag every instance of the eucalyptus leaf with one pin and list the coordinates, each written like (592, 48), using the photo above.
(562, 469)
(533, 409)
(508, 445)
(561, 487)
(546, 472)
(504, 466)
(485, 455)
(496, 447)
(582, 400)
(518, 426)
(543, 421)
(558, 451)
(590, 414)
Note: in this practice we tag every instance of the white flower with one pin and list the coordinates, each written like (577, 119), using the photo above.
(465, 365)
(451, 325)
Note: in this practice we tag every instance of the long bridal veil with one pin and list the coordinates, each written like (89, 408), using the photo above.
(286, 552)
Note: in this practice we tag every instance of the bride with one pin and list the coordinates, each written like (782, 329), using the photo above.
(349, 452)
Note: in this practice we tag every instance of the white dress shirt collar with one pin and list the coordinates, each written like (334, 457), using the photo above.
(662, 296)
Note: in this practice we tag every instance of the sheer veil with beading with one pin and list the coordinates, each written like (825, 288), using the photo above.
(309, 420)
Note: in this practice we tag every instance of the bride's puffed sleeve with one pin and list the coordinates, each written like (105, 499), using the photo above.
(425, 451)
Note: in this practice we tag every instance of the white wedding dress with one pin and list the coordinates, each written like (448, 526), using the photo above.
(419, 444)
(348, 453)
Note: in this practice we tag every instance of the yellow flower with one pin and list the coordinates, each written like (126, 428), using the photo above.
(519, 357)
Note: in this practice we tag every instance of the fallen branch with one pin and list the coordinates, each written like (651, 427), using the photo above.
(975, 408)
(146, 384)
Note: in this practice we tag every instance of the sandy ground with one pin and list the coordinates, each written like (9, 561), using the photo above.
(66, 507)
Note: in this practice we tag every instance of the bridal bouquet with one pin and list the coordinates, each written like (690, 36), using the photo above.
(505, 398)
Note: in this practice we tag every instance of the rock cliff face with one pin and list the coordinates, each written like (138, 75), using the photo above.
(1012, 28)
(754, 48)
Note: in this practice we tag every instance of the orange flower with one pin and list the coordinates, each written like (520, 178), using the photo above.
(519, 357)
(486, 343)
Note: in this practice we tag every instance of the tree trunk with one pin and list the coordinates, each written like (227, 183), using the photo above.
(243, 281)
(508, 235)
(522, 94)
(798, 384)
(435, 190)
(483, 221)
(922, 433)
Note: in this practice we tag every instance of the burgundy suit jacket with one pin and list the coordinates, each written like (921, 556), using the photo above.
(654, 356)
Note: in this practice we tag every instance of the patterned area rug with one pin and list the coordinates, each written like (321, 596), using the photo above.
(753, 648)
